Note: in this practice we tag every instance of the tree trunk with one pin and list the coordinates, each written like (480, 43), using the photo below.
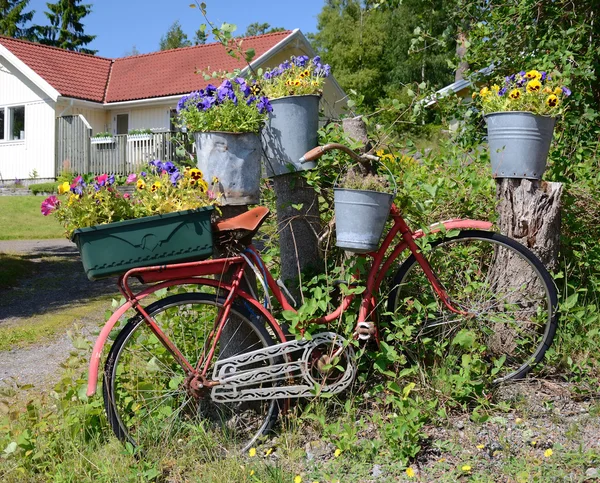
(461, 50)
(529, 212)
(299, 225)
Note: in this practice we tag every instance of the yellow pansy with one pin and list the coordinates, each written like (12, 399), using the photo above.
(533, 74)
(557, 91)
(252, 452)
(410, 472)
(547, 90)
(534, 86)
(514, 94)
(155, 186)
(552, 101)
(141, 184)
(64, 188)
(306, 73)
(484, 92)
(495, 88)
(194, 173)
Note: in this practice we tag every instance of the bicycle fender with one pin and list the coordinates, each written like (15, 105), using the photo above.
(99, 346)
(457, 224)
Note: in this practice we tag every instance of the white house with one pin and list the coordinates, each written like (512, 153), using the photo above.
(40, 85)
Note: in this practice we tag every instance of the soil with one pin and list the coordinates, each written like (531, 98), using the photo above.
(57, 282)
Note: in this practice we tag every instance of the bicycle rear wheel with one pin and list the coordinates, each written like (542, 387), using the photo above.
(509, 297)
(145, 395)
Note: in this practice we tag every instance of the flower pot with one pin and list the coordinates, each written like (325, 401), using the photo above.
(230, 163)
(102, 140)
(289, 133)
(138, 137)
(114, 248)
(519, 143)
(360, 217)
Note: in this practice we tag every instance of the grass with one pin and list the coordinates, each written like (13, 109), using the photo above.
(21, 219)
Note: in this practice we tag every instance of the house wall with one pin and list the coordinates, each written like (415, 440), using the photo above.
(155, 117)
(97, 118)
(19, 158)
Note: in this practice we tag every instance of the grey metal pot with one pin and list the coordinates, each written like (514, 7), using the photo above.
(360, 217)
(519, 143)
(289, 133)
(234, 160)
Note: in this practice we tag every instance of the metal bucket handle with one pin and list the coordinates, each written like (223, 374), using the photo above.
(372, 158)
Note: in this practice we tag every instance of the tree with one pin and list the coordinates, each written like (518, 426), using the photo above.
(134, 51)
(13, 19)
(66, 29)
(200, 37)
(257, 28)
(174, 38)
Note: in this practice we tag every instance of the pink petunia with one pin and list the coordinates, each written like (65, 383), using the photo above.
(49, 205)
(76, 181)
(126, 196)
(131, 178)
(102, 179)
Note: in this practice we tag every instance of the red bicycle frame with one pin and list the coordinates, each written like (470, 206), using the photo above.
(196, 273)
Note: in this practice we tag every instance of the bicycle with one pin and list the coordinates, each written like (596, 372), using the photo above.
(217, 358)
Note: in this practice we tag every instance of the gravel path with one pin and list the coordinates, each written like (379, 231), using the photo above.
(57, 285)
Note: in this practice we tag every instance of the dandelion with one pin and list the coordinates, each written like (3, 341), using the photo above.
(552, 101)
(298, 479)
(548, 453)
(268, 452)
(534, 86)
(410, 472)
(514, 94)
(466, 469)
(480, 446)
(533, 443)
(251, 472)
(252, 452)
(337, 453)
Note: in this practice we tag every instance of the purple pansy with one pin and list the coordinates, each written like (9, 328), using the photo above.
(566, 91)
(263, 105)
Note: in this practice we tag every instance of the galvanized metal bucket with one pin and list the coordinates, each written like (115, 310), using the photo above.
(230, 163)
(360, 217)
(289, 133)
(519, 143)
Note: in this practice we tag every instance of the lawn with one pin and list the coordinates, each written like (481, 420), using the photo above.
(21, 219)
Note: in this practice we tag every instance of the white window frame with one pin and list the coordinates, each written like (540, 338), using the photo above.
(8, 123)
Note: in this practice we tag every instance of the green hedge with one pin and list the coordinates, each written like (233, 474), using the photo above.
(43, 188)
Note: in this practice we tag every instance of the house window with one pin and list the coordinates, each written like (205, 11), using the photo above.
(122, 123)
(12, 123)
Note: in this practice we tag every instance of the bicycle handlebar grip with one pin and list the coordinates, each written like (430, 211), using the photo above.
(312, 155)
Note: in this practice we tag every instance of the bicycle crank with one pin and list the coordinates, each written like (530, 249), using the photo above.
(298, 368)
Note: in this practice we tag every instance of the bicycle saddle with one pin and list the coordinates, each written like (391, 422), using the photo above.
(250, 221)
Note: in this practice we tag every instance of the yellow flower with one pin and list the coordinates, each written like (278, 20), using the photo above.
(558, 91)
(547, 90)
(251, 472)
(410, 472)
(215, 180)
(518, 421)
(484, 92)
(72, 199)
(306, 73)
(533, 443)
(495, 88)
(298, 479)
(141, 184)
(514, 94)
(533, 74)
(337, 452)
(480, 446)
(156, 185)
(194, 173)
(252, 452)
(268, 452)
(534, 86)
(474, 95)
(466, 468)
(548, 453)
(64, 188)
(552, 101)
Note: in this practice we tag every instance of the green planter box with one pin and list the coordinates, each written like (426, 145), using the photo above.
(114, 248)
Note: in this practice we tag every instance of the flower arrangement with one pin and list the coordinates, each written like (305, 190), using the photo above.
(531, 91)
(235, 106)
(296, 76)
(89, 201)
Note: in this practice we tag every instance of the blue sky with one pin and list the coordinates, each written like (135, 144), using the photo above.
(121, 24)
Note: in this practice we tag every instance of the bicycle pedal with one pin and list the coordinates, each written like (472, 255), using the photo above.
(365, 330)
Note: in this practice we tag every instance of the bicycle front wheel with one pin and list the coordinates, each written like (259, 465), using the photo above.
(146, 396)
(507, 295)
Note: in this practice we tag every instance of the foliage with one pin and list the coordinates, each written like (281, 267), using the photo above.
(89, 201)
(296, 76)
(355, 180)
(13, 19)
(133, 132)
(234, 106)
(175, 38)
(258, 28)
(66, 29)
(103, 135)
(531, 91)
(42, 188)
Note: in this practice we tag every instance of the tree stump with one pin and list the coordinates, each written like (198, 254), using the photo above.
(299, 225)
(529, 212)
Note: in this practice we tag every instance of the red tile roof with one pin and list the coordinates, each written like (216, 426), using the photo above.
(72, 74)
(159, 74)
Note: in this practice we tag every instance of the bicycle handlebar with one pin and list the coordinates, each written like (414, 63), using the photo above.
(319, 151)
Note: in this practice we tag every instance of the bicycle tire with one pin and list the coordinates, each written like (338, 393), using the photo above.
(144, 397)
(518, 321)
